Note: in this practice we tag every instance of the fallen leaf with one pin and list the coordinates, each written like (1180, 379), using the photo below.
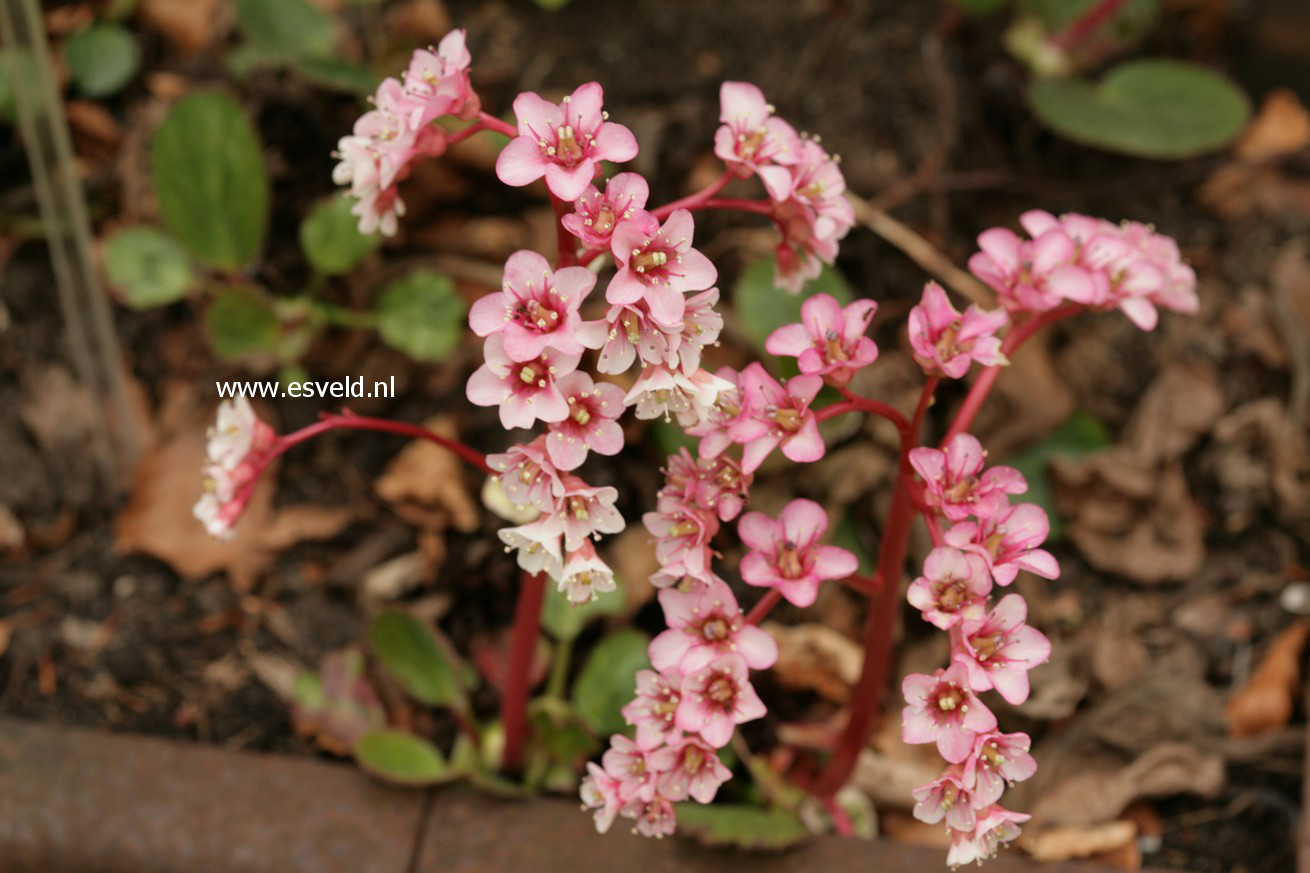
(1267, 700)
(1076, 841)
(391, 579)
(190, 25)
(1262, 460)
(1116, 657)
(1281, 127)
(905, 828)
(1181, 405)
(301, 522)
(814, 657)
(277, 672)
(425, 484)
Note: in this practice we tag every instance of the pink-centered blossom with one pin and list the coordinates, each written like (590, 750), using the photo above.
(583, 511)
(563, 142)
(689, 768)
(628, 333)
(715, 430)
(536, 546)
(813, 219)
(942, 708)
(946, 798)
(600, 792)
(524, 391)
(656, 818)
(658, 264)
(786, 553)
(595, 215)
(626, 762)
(585, 576)
(527, 475)
(830, 339)
(954, 587)
(998, 760)
(1032, 275)
(776, 415)
(1009, 541)
(704, 624)
(594, 408)
(955, 483)
(663, 393)
(752, 139)
(536, 309)
(995, 828)
(701, 326)
(723, 486)
(437, 82)
(682, 532)
(716, 698)
(653, 708)
(237, 451)
(946, 343)
(999, 649)
(238, 434)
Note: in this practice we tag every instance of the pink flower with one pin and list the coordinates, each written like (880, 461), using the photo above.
(953, 587)
(723, 486)
(656, 818)
(998, 760)
(583, 511)
(786, 554)
(942, 708)
(715, 430)
(658, 264)
(689, 767)
(999, 649)
(776, 415)
(830, 340)
(591, 424)
(238, 434)
(701, 325)
(946, 797)
(563, 142)
(625, 334)
(537, 308)
(717, 698)
(600, 791)
(704, 624)
(801, 252)
(682, 533)
(818, 183)
(751, 138)
(536, 546)
(653, 709)
(660, 393)
(1032, 275)
(954, 481)
(585, 576)
(527, 475)
(525, 391)
(1009, 542)
(626, 762)
(437, 82)
(995, 828)
(946, 343)
(238, 450)
(595, 216)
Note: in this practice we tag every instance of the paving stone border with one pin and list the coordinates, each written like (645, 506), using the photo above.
(83, 801)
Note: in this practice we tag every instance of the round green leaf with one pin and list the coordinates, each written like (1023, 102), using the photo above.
(102, 59)
(288, 29)
(762, 307)
(330, 237)
(1150, 108)
(210, 179)
(397, 756)
(148, 267)
(241, 322)
(421, 315)
(607, 679)
(413, 655)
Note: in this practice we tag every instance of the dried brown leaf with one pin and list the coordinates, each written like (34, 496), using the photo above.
(425, 484)
(190, 25)
(1181, 404)
(1076, 841)
(1266, 702)
(814, 657)
(1281, 127)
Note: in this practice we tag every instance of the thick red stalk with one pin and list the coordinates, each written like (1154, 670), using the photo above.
(523, 644)
(691, 201)
(567, 244)
(1087, 23)
(348, 420)
(491, 122)
(761, 609)
(866, 698)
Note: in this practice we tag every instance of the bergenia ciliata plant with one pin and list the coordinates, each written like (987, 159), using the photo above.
(544, 365)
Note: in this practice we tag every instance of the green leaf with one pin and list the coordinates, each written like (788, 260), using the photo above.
(102, 59)
(210, 179)
(339, 75)
(421, 315)
(330, 237)
(762, 307)
(745, 827)
(412, 654)
(242, 322)
(606, 681)
(1151, 108)
(337, 704)
(1078, 436)
(286, 29)
(564, 621)
(397, 756)
(148, 267)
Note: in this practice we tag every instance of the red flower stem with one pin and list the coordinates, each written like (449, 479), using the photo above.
(762, 607)
(762, 207)
(982, 386)
(878, 626)
(349, 421)
(855, 403)
(568, 246)
(461, 135)
(934, 528)
(523, 644)
(491, 122)
(691, 201)
(866, 585)
(1086, 24)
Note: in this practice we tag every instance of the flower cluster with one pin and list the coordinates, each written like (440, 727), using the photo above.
(991, 645)
(402, 127)
(1091, 261)
(239, 448)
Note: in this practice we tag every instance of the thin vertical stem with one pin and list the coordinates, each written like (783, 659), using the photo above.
(523, 644)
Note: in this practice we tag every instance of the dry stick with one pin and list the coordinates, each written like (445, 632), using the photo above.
(919, 250)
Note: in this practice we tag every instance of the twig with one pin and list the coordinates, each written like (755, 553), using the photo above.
(922, 252)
